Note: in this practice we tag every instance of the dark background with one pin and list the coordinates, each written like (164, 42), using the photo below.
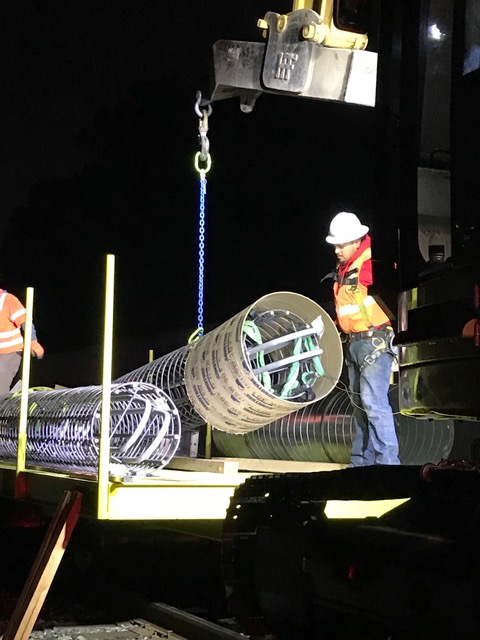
(99, 137)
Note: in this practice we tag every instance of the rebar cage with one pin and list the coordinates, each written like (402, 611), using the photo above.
(63, 428)
(168, 373)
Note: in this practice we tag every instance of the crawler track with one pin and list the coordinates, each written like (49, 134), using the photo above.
(291, 571)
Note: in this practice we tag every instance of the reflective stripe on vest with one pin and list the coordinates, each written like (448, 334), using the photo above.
(11, 338)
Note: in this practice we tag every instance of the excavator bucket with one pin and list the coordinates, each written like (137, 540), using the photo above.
(294, 63)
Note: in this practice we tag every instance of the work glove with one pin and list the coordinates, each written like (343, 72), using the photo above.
(37, 350)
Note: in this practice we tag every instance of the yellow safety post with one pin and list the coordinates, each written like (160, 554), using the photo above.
(22, 426)
(104, 453)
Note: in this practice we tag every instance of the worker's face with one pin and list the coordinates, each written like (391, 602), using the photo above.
(345, 251)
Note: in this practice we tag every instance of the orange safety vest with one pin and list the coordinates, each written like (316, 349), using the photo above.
(356, 310)
(12, 316)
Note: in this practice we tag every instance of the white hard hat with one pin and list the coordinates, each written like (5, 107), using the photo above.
(345, 227)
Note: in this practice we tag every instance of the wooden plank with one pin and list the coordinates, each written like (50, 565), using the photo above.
(284, 466)
(212, 465)
(233, 465)
(44, 568)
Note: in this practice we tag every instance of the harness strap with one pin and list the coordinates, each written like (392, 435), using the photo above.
(362, 307)
(251, 330)
(380, 348)
(334, 275)
(384, 344)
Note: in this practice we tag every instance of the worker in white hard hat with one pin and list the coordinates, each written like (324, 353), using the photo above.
(368, 337)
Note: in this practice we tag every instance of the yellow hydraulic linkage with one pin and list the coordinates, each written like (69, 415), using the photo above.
(318, 50)
(324, 27)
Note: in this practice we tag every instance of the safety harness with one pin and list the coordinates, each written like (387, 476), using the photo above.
(251, 330)
(300, 375)
(383, 341)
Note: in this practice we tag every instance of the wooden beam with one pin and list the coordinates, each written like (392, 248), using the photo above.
(233, 465)
(212, 465)
(44, 568)
(285, 466)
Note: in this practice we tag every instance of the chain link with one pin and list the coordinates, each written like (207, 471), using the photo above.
(201, 253)
(203, 156)
(203, 114)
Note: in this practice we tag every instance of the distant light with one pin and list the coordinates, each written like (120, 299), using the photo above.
(434, 32)
(358, 509)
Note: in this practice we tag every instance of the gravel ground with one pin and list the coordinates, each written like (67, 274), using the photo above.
(101, 570)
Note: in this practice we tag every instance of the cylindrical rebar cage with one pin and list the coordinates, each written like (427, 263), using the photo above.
(281, 353)
(63, 428)
(324, 431)
(168, 373)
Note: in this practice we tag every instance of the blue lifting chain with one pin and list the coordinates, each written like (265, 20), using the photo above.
(203, 162)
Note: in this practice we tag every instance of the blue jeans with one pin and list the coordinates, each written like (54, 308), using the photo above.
(375, 440)
(9, 365)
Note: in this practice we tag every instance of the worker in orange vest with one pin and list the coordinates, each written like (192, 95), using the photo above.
(12, 322)
(368, 335)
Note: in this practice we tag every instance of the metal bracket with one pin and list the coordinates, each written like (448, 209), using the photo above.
(291, 65)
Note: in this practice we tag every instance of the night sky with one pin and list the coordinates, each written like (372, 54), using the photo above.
(99, 136)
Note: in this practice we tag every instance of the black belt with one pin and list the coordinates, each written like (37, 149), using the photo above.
(361, 335)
